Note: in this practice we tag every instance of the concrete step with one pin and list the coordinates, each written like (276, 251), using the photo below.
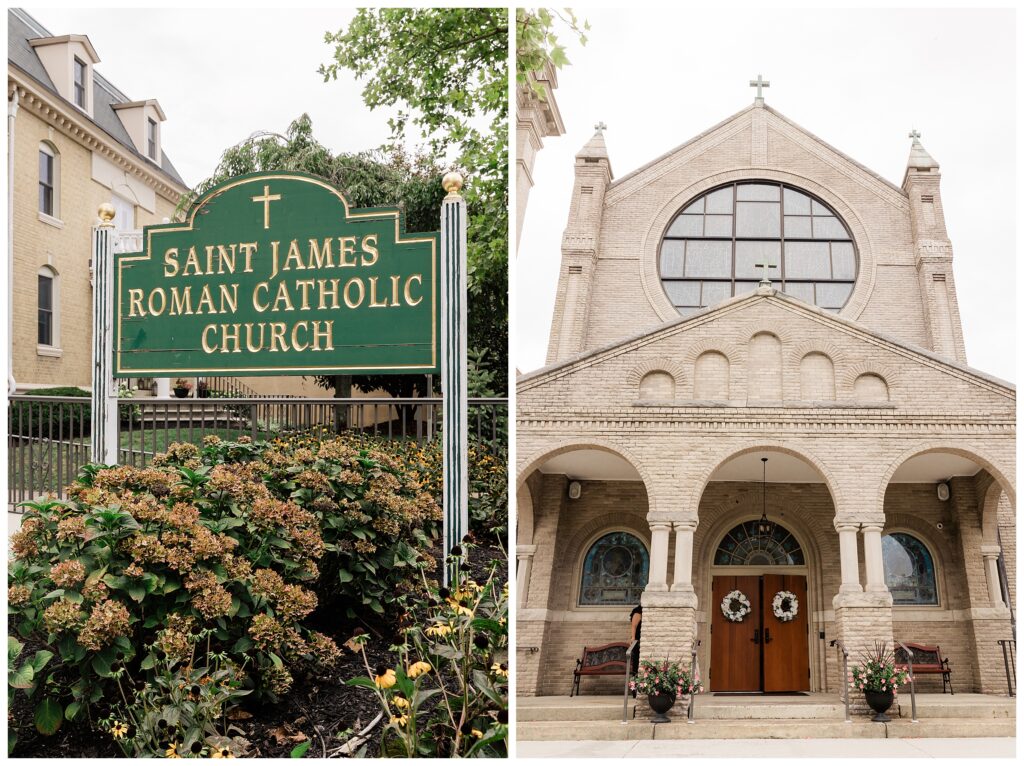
(992, 707)
(761, 729)
(735, 711)
(577, 709)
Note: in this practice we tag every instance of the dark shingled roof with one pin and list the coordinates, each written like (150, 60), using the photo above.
(21, 28)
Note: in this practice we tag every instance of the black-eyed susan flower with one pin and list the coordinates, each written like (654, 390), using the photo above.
(477, 733)
(385, 677)
(440, 631)
(119, 730)
(401, 720)
(500, 669)
(222, 752)
(419, 668)
(400, 702)
(172, 751)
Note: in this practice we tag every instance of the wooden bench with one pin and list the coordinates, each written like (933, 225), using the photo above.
(606, 660)
(927, 660)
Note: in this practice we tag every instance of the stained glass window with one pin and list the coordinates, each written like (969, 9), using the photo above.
(744, 546)
(712, 249)
(909, 570)
(614, 571)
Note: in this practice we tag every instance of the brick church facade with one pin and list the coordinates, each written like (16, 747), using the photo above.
(755, 293)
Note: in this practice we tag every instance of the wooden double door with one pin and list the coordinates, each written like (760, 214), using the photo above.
(761, 653)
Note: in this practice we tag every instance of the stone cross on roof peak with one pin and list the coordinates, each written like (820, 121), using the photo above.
(914, 134)
(759, 83)
(600, 126)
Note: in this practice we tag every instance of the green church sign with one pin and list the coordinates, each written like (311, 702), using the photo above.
(274, 274)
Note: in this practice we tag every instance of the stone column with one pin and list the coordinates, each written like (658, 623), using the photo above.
(849, 565)
(995, 591)
(682, 579)
(875, 574)
(657, 579)
(524, 562)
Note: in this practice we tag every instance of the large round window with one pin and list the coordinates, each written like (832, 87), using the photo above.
(717, 247)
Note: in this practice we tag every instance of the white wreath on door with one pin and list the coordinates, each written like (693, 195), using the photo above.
(735, 606)
(785, 605)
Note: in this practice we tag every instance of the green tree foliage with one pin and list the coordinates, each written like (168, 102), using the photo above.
(446, 70)
(537, 44)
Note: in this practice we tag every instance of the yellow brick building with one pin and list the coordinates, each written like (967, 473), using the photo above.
(74, 141)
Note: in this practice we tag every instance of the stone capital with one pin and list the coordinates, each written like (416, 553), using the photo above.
(685, 525)
(864, 600)
(872, 526)
(659, 524)
(670, 599)
(990, 551)
(525, 551)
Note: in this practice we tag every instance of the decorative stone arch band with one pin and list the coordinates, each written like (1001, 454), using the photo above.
(1003, 477)
(531, 464)
(704, 476)
(650, 279)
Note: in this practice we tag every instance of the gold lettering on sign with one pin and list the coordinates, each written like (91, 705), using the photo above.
(277, 331)
(295, 333)
(354, 304)
(320, 258)
(370, 250)
(181, 303)
(331, 291)
(266, 199)
(248, 248)
(282, 295)
(408, 293)
(274, 246)
(293, 255)
(229, 298)
(206, 299)
(193, 261)
(135, 297)
(248, 336)
(171, 262)
(230, 335)
(163, 301)
(256, 297)
(207, 348)
(348, 248)
(327, 334)
(305, 285)
(373, 295)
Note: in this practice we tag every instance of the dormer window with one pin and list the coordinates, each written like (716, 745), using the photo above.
(80, 74)
(151, 140)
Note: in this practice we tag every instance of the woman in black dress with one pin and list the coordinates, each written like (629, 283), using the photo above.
(636, 618)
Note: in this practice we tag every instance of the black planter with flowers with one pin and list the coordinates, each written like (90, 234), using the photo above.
(661, 704)
(878, 677)
(663, 683)
(880, 702)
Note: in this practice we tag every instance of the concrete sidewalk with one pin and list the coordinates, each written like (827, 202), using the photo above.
(998, 747)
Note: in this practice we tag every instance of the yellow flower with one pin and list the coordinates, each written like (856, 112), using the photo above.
(477, 733)
(119, 730)
(500, 669)
(419, 668)
(438, 630)
(401, 720)
(385, 677)
(222, 752)
(172, 751)
(458, 608)
(401, 702)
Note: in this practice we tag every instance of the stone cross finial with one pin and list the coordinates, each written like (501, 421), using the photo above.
(760, 83)
(600, 126)
(914, 134)
(765, 281)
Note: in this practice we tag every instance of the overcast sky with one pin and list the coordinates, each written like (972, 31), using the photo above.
(223, 74)
(859, 80)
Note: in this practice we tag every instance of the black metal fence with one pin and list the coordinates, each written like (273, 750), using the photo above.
(48, 436)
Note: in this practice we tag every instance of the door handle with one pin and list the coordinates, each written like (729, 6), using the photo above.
(757, 636)
(767, 638)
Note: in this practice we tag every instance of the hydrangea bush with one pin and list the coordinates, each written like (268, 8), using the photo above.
(236, 541)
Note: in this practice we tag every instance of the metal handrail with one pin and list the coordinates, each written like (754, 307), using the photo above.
(1009, 647)
(694, 678)
(625, 687)
(845, 683)
(913, 696)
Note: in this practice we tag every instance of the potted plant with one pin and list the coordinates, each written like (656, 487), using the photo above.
(182, 388)
(878, 677)
(202, 389)
(662, 683)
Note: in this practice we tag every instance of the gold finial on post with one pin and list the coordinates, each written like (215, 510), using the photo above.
(452, 183)
(106, 213)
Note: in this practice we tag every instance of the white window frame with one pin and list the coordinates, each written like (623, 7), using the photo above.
(84, 106)
(52, 218)
(53, 347)
(152, 139)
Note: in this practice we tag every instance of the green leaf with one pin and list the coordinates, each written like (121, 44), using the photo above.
(12, 740)
(40, 659)
(101, 664)
(49, 716)
(300, 750)
(14, 647)
(137, 592)
(363, 681)
(344, 576)
(72, 710)
(148, 661)
(20, 678)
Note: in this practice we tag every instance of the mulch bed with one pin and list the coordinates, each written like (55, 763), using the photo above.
(317, 708)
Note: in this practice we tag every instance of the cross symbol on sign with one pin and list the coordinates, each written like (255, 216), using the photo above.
(266, 199)
(765, 266)
(759, 83)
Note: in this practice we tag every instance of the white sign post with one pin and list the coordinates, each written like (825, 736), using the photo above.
(454, 375)
(104, 387)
